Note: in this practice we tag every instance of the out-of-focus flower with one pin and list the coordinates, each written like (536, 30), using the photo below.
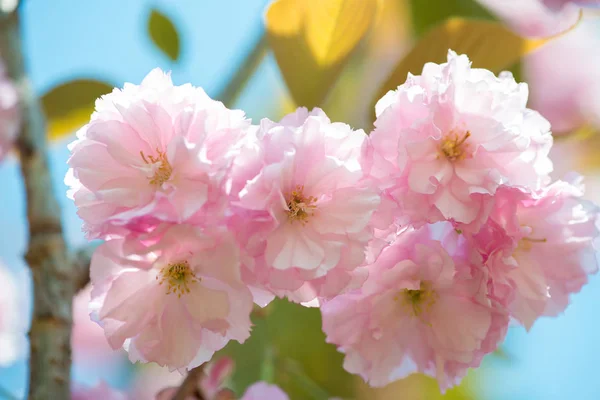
(9, 112)
(445, 140)
(305, 205)
(89, 346)
(567, 98)
(177, 303)
(404, 319)
(152, 152)
(13, 318)
(539, 17)
(99, 392)
(552, 248)
(560, 4)
(264, 391)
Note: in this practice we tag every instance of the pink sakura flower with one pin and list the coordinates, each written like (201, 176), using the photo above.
(13, 320)
(545, 248)
(445, 140)
(264, 391)
(152, 152)
(404, 319)
(176, 303)
(9, 113)
(539, 17)
(99, 392)
(305, 205)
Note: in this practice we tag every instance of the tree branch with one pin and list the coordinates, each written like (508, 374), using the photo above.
(81, 266)
(191, 385)
(50, 334)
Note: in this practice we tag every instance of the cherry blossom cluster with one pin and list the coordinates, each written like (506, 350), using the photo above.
(420, 242)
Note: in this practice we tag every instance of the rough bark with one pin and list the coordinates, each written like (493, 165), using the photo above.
(50, 334)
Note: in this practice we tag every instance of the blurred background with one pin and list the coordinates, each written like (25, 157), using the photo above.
(77, 50)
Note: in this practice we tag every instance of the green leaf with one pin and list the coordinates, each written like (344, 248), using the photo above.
(428, 13)
(489, 45)
(312, 41)
(164, 34)
(68, 106)
(288, 348)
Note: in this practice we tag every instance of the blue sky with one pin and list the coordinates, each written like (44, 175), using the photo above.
(66, 39)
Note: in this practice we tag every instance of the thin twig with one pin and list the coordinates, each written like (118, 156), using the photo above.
(233, 88)
(191, 385)
(50, 334)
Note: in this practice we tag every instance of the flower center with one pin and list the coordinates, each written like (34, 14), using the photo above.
(418, 300)
(177, 276)
(299, 206)
(453, 146)
(164, 170)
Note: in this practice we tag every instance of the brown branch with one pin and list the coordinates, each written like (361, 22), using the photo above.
(81, 266)
(50, 334)
(191, 385)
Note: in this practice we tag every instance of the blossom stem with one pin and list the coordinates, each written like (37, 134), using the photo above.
(234, 87)
(50, 334)
(191, 385)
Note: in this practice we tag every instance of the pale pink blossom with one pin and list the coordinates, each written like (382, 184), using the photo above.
(99, 392)
(404, 319)
(9, 113)
(174, 304)
(264, 391)
(567, 98)
(152, 152)
(14, 304)
(305, 205)
(445, 140)
(542, 249)
(538, 18)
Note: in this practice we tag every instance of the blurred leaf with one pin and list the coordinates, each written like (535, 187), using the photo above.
(428, 13)
(164, 34)
(312, 40)
(69, 105)
(287, 347)
(488, 44)
(417, 387)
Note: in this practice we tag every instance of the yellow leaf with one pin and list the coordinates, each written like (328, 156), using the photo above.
(69, 105)
(312, 40)
(489, 44)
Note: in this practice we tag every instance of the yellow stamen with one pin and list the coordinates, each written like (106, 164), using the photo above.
(418, 300)
(527, 243)
(163, 173)
(299, 206)
(177, 276)
(453, 146)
